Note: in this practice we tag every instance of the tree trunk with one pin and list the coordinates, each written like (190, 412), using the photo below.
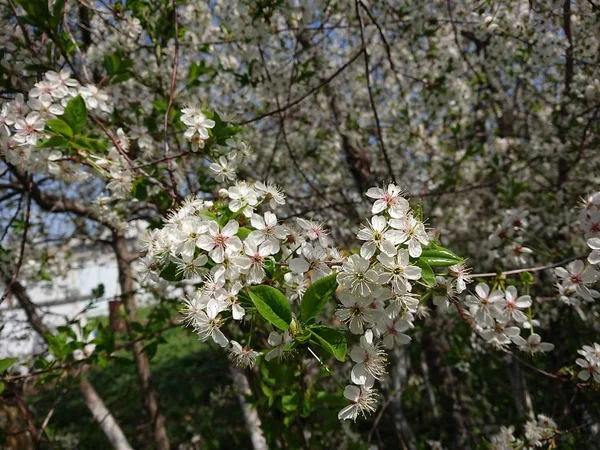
(142, 364)
(101, 413)
(250, 414)
(103, 416)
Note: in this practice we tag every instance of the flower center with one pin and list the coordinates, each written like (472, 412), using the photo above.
(221, 240)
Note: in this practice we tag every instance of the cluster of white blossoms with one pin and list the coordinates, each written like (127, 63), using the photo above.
(225, 159)
(575, 279)
(23, 120)
(590, 363)
(224, 256)
(238, 242)
(377, 301)
(508, 237)
(197, 126)
(537, 431)
(498, 317)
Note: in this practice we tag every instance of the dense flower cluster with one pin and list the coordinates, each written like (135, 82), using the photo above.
(537, 431)
(230, 245)
(590, 363)
(498, 317)
(23, 120)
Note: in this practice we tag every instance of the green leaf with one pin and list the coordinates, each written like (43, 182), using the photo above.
(76, 114)
(439, 262)
(87, 143)
(272, 305)
(139, 189)
(266, 390)
(151, 349)
(243, 232)
(170, 273)
(316, 297)
(527, 278)
(59, 126)
(98, 291)
(1, 387)
(57, 14)
(439, 257)
(332, 340)
(426, 273)
(137, 327)
(290, 402)
(54, 141)
(6, 363)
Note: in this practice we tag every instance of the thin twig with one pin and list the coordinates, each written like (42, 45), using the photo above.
(386, 157)
(526, 269)
(132, 166)
(15, 274)
(325, 367)
(171, 95)
(51, 413)
(307, 94)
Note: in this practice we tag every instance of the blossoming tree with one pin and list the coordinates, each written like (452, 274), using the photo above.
(382, 211)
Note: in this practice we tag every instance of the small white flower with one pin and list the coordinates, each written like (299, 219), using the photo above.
(314, 231)
(268, 232)
(513, 304)
(363, 398)
(231, 297)
(378, 236)
(370, 360)
(256, 257)
(311, 258)
(594, 244)
(277, 341)
(243, 197)
(244, 356)
(357, 276)
(392, 332)
(95, 98)
(590, 367)
(208, 323)
(484, 307)
(29, 129)
(412, 233)
(461, 273)
(356, 312)
(390, 199)
(272, 193)
(224, 169)
(220, 242)
(197, 123)
(397, 271)
(578, 276)
(534, 345)
(189, 266)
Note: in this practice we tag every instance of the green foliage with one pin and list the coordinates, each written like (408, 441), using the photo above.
(197, 70)
(191, 379)
(76, 114)
(60, 126)
(170, 272)
(118, 67)
(439, 257)
(140, 189)
(6, 363)
(272, 306)
(426, 272)
(330, 339)
(316, 297)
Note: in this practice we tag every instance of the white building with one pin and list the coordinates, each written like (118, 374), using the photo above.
(63, 299)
